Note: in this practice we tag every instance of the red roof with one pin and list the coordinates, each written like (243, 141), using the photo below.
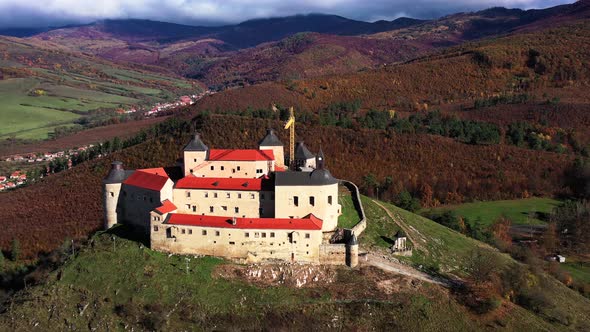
(241, 155)
(193, 182)
(310, 222)
(166, 207)
(150, 178)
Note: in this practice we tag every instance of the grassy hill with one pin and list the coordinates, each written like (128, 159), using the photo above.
(114, 282)
(44, 87)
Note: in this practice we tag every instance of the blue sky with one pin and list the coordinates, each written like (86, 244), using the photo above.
(18, 13)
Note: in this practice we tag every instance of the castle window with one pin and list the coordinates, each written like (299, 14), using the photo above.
(222, 168)
(252, 196)
(183, 231)
(188, 206)
(238, 168)
(190, 231)
(224, 208)
(216, 233)
(227, 195)
(155, 228)
(330, 199)
(214, 195)
(260, 211)
(206, 195)
(151, 199)
(112, 194)
(212, 168)
(246, 234)
(272, 234)
(232, 243)
(256, 234)
(307, 235)
(188, 194)
(191, 171)
(296, 200)
(237, 209)
(194, 208)
(211, 209)
(311, 200)
(195, 160)
(204, 232)
(259, 171)
(239, 195)
(263, 234)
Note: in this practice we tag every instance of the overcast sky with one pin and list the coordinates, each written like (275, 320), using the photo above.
(20, 13)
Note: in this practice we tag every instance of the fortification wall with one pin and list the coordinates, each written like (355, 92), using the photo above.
(333, 254)
(356, 201)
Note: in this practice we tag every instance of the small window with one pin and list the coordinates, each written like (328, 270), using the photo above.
(246, 234)
(206, 195)
(222, 168)
(190, 231)
(188, 206)
(214, 195)
(224, 208)
(311, 200)
(183, 231)
(194, 208)
(227, 195)
(188, 194)
(216, 233)
(263, 234)
(204, 232)
(256, 234)
(252, 196)
(296, 200)
(112, 194)
(191, 171)
(307, 235)
(232, 243)
(238, 168)
(155, 228)
(330, 199)
(237, 209)
(272, 234)
(239, 195)
(195, 160)
(211, 209)
(212, 168)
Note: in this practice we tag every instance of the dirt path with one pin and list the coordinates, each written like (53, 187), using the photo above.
(409, 232)
(394, 267)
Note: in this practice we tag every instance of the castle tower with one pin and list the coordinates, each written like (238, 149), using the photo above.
(111, 190)
(195, 153)
(303, 157)
(272, 142)
(352, 251)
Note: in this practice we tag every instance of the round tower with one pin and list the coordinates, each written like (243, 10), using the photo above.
(352, 251)
(111, 189)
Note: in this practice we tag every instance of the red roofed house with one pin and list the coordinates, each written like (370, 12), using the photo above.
(235, 203)
(2, 179)
(15, 175)
(186, 100)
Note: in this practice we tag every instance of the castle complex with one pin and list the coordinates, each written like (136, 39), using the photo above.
(242, 204)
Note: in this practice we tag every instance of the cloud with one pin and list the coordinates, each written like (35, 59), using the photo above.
(18, 13)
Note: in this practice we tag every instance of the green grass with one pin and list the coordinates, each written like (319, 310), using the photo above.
(349, 216)
(519, 211)
(580, 271)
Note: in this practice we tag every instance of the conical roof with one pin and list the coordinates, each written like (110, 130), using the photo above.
(270, 139)
(302, 152)
(196, 144)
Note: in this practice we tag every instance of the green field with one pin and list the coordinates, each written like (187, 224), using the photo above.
(349, 216)
(519, 211)
(580, 271)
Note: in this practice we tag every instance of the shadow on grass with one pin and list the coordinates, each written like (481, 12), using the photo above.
(129, 232)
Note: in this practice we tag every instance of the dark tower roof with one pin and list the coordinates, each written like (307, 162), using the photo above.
(320, 160)
(196, 144)
(319, 177)
(117, 173)
(270, 139)
(302, 152)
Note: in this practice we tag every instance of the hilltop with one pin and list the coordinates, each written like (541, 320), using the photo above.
(115, 282)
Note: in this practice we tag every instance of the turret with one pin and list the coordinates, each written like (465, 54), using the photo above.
(352, 251)
(195, 153)
(303, 157)
(111, 189)
(272, 142)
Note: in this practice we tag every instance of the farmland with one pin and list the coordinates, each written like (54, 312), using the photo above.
(520, 211)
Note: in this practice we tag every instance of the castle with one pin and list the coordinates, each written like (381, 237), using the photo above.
(241, 204)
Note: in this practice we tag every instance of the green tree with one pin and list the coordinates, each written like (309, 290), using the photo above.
(407, 202)
(15, 250)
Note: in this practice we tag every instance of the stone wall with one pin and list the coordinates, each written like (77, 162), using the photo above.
(225, 202)
(356, 200)
(333, 254)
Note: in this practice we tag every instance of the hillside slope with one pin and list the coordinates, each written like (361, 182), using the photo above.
(115, 282)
